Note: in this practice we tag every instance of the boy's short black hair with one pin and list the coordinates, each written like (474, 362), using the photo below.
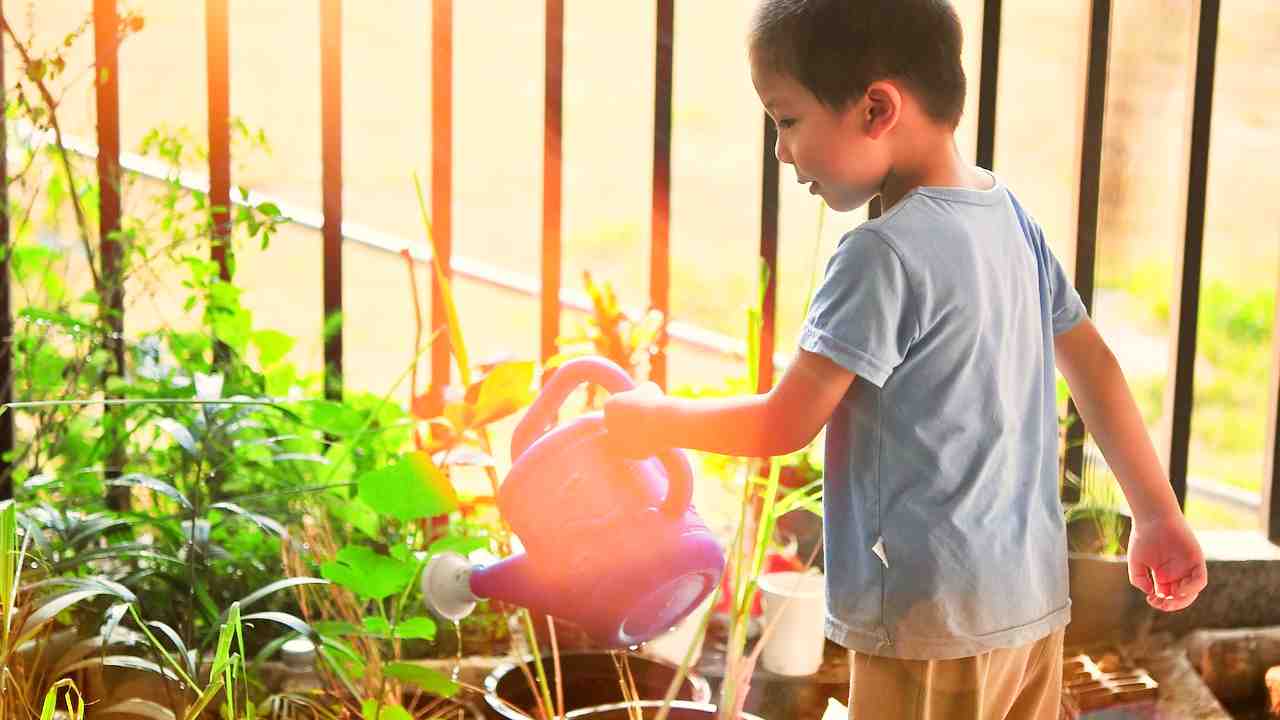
(837, 48)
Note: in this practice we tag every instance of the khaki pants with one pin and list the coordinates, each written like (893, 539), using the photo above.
(1022, 683)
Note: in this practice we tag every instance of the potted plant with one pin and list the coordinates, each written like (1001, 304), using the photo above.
(1105, 607)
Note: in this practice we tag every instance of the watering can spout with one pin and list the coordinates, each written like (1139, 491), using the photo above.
(452, 585)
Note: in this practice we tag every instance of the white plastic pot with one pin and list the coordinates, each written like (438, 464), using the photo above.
(795, 606)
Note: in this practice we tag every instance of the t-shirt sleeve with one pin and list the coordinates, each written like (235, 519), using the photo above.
(863, 316)
(1068, 309)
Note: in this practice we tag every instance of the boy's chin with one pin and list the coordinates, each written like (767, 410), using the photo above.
(847, 204)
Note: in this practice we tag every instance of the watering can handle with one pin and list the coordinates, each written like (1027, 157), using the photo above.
(541, 417)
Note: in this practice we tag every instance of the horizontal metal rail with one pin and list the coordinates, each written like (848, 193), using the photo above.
(313, 219)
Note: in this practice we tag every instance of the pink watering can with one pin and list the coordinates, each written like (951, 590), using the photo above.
(611, 544)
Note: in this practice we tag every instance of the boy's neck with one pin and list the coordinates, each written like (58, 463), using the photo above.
(933, 162)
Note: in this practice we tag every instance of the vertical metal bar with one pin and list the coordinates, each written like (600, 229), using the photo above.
(106, 24)
(1095, 103)
(1178, 396)
(768, 253)
(217, 32)
(6, 313)
(660, 247)
(331, 132)
(988, 83)
(441, 180)
(1271, 480)
(551, 183)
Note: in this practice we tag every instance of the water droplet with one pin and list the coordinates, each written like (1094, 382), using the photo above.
(635, 648)
(34, 565)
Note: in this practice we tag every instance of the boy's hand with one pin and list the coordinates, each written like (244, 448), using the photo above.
(1166, 549)
(629, 421)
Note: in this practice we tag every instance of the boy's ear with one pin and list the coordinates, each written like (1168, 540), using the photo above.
(882, 109)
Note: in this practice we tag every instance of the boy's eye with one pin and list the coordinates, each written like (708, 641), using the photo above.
(785, 123)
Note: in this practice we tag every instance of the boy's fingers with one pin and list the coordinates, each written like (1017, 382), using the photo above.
(1192, 582)
(1140, 577)
(1171, 604)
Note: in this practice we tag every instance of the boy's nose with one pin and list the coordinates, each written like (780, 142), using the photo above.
(780, 151)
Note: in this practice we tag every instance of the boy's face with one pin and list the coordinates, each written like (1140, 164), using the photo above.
(830, 149)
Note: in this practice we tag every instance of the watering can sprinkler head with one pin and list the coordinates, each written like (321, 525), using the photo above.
(446, 585)
(611, 544)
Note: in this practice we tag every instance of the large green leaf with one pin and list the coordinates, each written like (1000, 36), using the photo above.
(272, 346)
(421, 628)
(413, 488)
(47, 368)
(506, 389)
(372, 710)
(368, 574)
(377, 626)
(234, 328)
(430, 680)
(463, 545)
(357, 513)
(336, 418)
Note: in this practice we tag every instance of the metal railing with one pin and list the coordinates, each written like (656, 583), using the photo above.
(1183, 349)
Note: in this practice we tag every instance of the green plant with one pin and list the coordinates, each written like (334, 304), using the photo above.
(612, 333)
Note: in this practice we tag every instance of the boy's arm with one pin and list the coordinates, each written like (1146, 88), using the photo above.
(1161, 544)
(785, 419)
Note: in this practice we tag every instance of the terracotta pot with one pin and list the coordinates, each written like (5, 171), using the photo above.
(590, 680)
(1105, 608)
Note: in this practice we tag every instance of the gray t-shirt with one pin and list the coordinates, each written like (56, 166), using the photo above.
(944, 529)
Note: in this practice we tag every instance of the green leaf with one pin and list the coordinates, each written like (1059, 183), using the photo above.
(506, 389)
(277, 586)
(374, 711)
(357, 513)
(292, 622)
(368, 574)
(180, 434)
(456, 343)
(413, 488)
(233, 329)
(272, 346)
(422, 628)
(62, 320)
(336, 628)
(336, 418)
(377, 627)
(433, 682)
(47, 368)
(459, 544)
(281, 379)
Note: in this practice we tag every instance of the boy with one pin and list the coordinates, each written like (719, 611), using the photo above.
(929, 355)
